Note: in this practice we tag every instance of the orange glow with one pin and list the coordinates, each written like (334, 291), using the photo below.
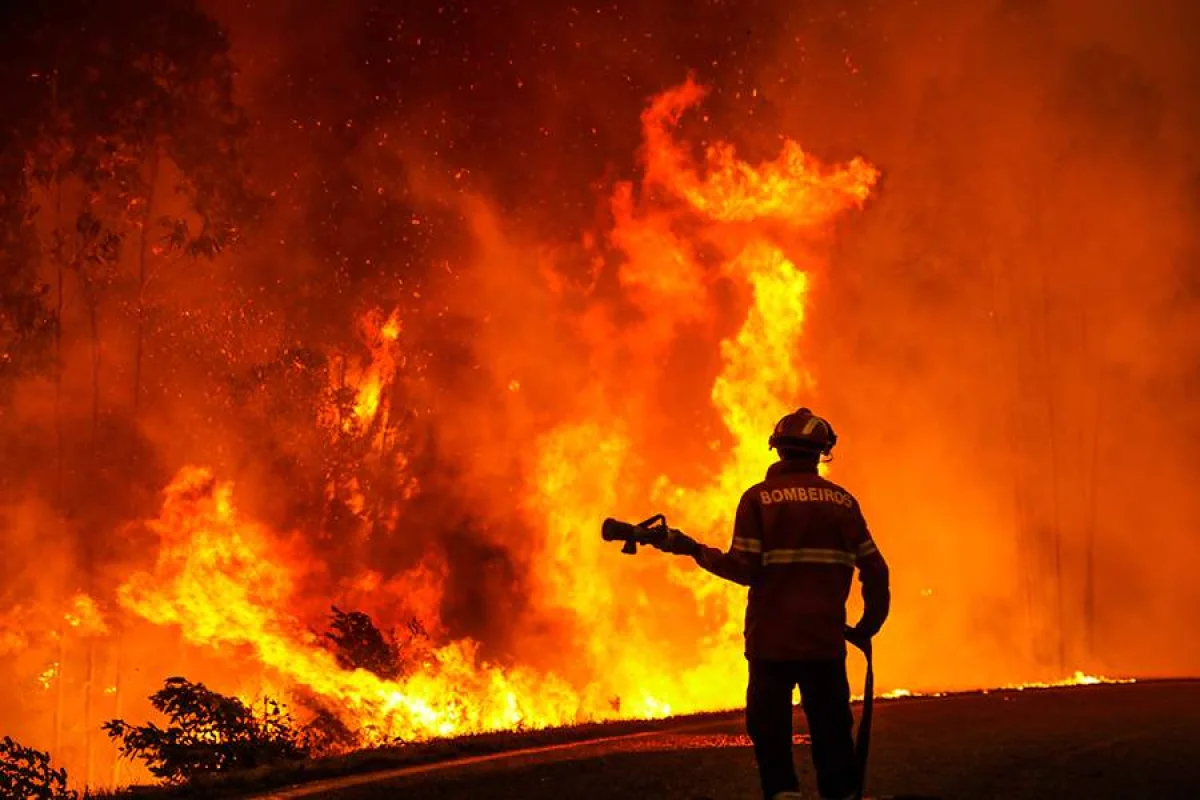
(330, 340)
(703, 274)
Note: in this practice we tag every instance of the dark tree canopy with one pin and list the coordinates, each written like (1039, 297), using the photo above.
(99, 91)
(28, 774)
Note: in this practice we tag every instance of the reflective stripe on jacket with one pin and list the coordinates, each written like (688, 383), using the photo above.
(797, 540)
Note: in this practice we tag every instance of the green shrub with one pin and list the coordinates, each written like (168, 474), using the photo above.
(208, 732)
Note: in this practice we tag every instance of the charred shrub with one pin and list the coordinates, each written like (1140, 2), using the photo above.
(26, 773)
(358, 644)
(208, 732)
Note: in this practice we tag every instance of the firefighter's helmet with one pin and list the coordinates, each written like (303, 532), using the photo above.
(804, 430)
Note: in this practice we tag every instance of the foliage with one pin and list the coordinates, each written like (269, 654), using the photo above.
(26, 773)
(359, 644)
(103, 97)
(26, 322)
(121, 87)
(26, 329)
(122, 152)
(208, 732)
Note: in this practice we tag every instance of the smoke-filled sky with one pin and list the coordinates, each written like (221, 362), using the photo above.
(1004, 334)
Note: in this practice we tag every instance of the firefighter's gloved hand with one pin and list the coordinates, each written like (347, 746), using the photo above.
(858, 636)
(679, 543)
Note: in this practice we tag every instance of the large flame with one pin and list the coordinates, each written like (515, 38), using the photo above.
(221, 580)
(671, 644)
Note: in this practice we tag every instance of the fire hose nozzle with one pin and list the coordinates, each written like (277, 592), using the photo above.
(651, 531)
(614, 530)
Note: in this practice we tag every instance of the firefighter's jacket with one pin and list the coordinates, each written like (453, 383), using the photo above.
(797, 539)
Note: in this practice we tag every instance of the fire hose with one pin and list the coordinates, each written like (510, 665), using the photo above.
(654, 532)
(862, 741)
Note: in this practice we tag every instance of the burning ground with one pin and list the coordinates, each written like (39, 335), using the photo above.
(386, 310)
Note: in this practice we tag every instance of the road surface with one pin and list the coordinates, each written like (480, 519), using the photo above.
(1137, 741)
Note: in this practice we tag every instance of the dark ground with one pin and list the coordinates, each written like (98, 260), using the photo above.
(1139, 741)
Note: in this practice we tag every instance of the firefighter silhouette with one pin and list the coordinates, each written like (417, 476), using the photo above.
(797, 541)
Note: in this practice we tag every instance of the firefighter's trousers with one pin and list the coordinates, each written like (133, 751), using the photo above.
(825, 698)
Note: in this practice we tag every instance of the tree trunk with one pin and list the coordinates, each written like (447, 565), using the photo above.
(117, 713)
(89, 554)
(59, 690)
(60, 454)
(1053, 442)
(1006, 326)
(94, 326)
(89, 765)
(143, 251)
(1091, 507)
(1089, 578)
(57, 255)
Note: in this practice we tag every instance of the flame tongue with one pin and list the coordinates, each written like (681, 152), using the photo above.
(795, 188)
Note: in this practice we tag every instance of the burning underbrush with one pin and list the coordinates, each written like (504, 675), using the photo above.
(226, 583)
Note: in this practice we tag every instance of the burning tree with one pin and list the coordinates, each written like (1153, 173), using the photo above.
(357, 643)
